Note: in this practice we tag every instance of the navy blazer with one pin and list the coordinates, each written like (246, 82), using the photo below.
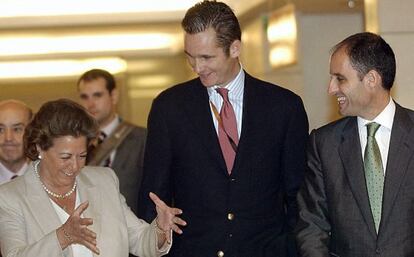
(248, 213)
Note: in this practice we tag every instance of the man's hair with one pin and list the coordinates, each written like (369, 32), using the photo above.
(17, 102)
(216, 15)
(96, 74)
(368, 51)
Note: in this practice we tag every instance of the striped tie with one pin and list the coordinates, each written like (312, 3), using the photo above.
(227, 130)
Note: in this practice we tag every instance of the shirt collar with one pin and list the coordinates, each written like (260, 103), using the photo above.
(108, 129)
(385, 118)
(234, 85)
(6, 174)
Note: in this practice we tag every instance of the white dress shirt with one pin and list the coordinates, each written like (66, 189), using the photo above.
(383, 135)
(236, 92)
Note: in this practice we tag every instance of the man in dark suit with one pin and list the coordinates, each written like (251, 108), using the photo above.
(236, 184)
(122, 144)
(358, 196)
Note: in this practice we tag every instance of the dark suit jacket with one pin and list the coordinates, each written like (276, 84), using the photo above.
(335, 216)
(128, 165)
(248, 213)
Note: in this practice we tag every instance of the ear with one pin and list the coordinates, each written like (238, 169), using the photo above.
(373, 79)
(235, 49)
(39, 150)
(114, 96)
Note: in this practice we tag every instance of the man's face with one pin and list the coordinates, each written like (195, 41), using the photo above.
(351, 92)
(95, 97)
(13, 120)
(209, 61)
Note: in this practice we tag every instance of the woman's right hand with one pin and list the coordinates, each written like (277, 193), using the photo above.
(76, 231)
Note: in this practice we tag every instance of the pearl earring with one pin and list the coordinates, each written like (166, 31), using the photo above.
(39, 157)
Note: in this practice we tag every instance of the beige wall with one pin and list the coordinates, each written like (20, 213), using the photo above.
(395, 24)
(309, 77)
(318, 34)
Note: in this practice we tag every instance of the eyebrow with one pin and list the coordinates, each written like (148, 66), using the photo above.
(187, 53)
(13, 125)
(201, 55)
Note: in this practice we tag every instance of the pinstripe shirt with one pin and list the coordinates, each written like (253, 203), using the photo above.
(236, 91)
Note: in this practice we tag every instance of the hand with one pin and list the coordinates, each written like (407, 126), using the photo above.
(76, 231)
(167, 217)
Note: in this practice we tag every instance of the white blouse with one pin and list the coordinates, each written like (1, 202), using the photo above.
(77, 249)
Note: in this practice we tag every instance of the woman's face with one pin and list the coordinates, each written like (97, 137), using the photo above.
(62, 162)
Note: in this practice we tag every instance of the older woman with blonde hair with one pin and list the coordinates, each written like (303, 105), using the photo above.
(61, 207)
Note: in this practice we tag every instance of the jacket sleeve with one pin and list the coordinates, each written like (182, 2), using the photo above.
(313, 227)
(157, 163)
(294, 155)
(142, 237)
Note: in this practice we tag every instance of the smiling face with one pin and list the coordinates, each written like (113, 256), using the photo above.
(209, 61)
(352, 92)
(62, 162)
(13, 119)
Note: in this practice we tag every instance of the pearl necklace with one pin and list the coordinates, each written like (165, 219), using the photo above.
(59, 196)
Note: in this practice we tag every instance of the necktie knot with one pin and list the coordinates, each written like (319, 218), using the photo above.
(224, 93)
(101, 137)
(372, 128)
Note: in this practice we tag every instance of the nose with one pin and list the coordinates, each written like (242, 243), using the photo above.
(8, 135)
(76, 165)
(89, 104)
(197, 66)
(332, 87)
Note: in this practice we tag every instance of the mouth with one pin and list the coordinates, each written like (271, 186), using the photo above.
(68, 173)
(341, 99)
(204, 76)
(9, 147)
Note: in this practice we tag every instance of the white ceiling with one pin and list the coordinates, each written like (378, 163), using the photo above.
(42, 13)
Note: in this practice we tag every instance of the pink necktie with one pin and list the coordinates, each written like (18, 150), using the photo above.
(227, 130)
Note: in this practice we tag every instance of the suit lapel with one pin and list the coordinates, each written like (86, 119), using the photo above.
(89, 192)
(351, 156)
(39, 203)
(198, 108)
(251, 104)
(399, 155)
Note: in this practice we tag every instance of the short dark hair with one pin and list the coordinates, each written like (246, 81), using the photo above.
(56, 119)
(96, 74)
(217, 15)
(368, 51)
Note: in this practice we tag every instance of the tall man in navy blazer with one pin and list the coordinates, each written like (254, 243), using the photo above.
(249, 209)
(342, 213)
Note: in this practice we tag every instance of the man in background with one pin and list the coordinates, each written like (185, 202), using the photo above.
(120, 144)
(226, 148)
(14, 117)
(358, 196)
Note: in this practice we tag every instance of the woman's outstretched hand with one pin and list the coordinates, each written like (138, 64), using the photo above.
(76, 231)
(167, 218)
